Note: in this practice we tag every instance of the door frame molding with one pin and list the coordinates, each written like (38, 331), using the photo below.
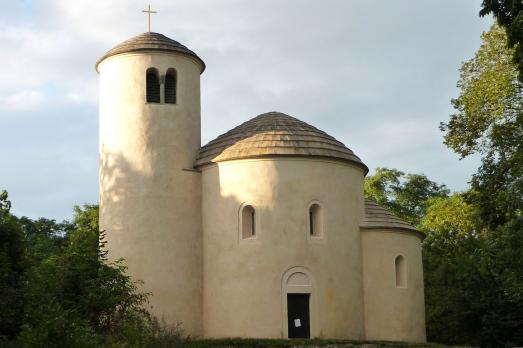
(305, 287)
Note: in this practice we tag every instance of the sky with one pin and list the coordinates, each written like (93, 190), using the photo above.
(376, 75)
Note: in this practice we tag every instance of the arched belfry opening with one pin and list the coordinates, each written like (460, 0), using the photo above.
(152, 88)
(170, 86)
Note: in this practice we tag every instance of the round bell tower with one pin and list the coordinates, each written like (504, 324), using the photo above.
(150, 195)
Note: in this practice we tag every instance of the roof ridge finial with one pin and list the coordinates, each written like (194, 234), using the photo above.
(148, 11)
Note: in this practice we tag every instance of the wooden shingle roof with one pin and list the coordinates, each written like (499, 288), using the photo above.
(275, 134)
(379, 218)
(150, 42)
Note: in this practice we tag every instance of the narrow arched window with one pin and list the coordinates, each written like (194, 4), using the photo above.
(170, 86)
(248, 222)
(152, 87)
(315, 220)
(401, 271)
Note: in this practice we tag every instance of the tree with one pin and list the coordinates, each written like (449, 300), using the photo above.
(76, 297)
(500, 261)
(58, 288)
(450, 270)
(5, 204)
(509, 15)
(489, 122)
(476, 283)
(12, 268)
(473, 276)
(405, 195)
(105, 292)
(43, 237)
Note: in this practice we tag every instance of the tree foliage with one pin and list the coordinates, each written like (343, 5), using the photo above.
(473, 275)
(58, 288)
(12, 267)
(405, 195)
(509, 15)
(450, 272)
(489, 122)
(473, 263)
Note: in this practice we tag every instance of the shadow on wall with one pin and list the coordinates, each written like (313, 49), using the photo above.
(118, 179)
(133, 193)
(231, 279)
(232, 186)
(151, 209)
(237, 269)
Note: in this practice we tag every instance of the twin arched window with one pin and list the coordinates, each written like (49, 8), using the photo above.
(153, 89)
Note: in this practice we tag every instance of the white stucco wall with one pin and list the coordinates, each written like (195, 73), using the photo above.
(245, 280)
(149, 206)
(393, 313)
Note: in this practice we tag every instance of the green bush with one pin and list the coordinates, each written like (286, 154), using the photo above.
(58, 289)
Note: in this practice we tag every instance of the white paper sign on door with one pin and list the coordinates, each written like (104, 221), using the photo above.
(297, 323)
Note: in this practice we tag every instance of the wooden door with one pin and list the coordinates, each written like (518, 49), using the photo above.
(298, 315)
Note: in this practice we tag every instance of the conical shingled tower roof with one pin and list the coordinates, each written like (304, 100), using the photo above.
(275, 134)
(377, 217)
(150, 42)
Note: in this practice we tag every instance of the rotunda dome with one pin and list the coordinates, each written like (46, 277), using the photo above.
(275, 134)
(150, 41)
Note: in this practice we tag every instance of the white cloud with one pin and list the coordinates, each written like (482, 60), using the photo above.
(34, 56)
(76, 97)
(376, 75)
(25, 100)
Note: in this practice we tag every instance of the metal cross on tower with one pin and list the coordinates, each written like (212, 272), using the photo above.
(148, 11)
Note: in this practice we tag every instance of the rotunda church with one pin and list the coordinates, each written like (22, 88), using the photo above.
(264, 232)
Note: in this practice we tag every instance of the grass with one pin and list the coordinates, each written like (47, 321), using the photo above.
(277, 343)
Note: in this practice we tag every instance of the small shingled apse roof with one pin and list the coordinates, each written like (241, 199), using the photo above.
(150, 42)
(377, 217)
(275, 134)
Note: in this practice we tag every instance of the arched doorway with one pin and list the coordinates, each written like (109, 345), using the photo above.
(298, 304)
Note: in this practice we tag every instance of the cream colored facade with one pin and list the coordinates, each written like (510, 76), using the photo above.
(150, 205)
(243, 278)
(173, 210)
(392, 312)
